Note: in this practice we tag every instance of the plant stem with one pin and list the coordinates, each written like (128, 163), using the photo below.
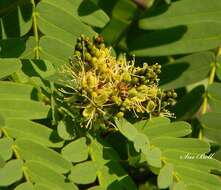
(177, 178)
(212, 74)
(35, 28)
(17, 156)
(210, 81)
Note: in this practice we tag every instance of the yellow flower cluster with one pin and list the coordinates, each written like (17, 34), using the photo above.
(110, 87)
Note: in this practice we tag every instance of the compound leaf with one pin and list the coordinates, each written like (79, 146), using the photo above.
(181, 155)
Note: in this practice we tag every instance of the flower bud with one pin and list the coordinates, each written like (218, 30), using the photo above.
(120, 114)
(117, 100)
(87, 56)
(77, 53)
(135, 80)
(79, 46)
(150, 106)
(132, 92)
(127, 77)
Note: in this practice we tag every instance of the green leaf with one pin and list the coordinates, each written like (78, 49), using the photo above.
(153, 157)
(122, 15)
(214, 91)
(110, 173)
(55, 21)
(186, 70)
(190, 145)
(196, 187)
(179, 186)
(177, 40)
(113, 30)
(91, 14)
(37, 68)
(25, 186)
(189, 153)
(6, 148)
(41, 174)
(168, 1)
(11, 172)
(165, 177)
(96, 188)
(23, 109)
(20, 128)
(42, 187)
(11, 48)
(218, 67)
(2, 121)
(17, 22)
(29, 150)
(66, 130)
(211, 126)
(29, 50)
(2, 162)
(126, 129)
(83, 173)
(176, 129)
(180, 13)
(11, 90)
(214, 94)
(218, 155)
(201, 162)
(36, 72)
(69, 6)
(56, 50)
(189, 104)
(8, 66)
(4, 4)
(76, 151)
(141, 142)
(154, 122)
(192, 177)
(124, 10)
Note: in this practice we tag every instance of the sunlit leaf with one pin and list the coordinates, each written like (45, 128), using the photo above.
(76, 151)
(6, 148)
(78, 173)
(41, 174)
(180, 13)
(186, 70)
(165, 177)
(8, 67)
(30, 150)
(11, 172)
(180, 39)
